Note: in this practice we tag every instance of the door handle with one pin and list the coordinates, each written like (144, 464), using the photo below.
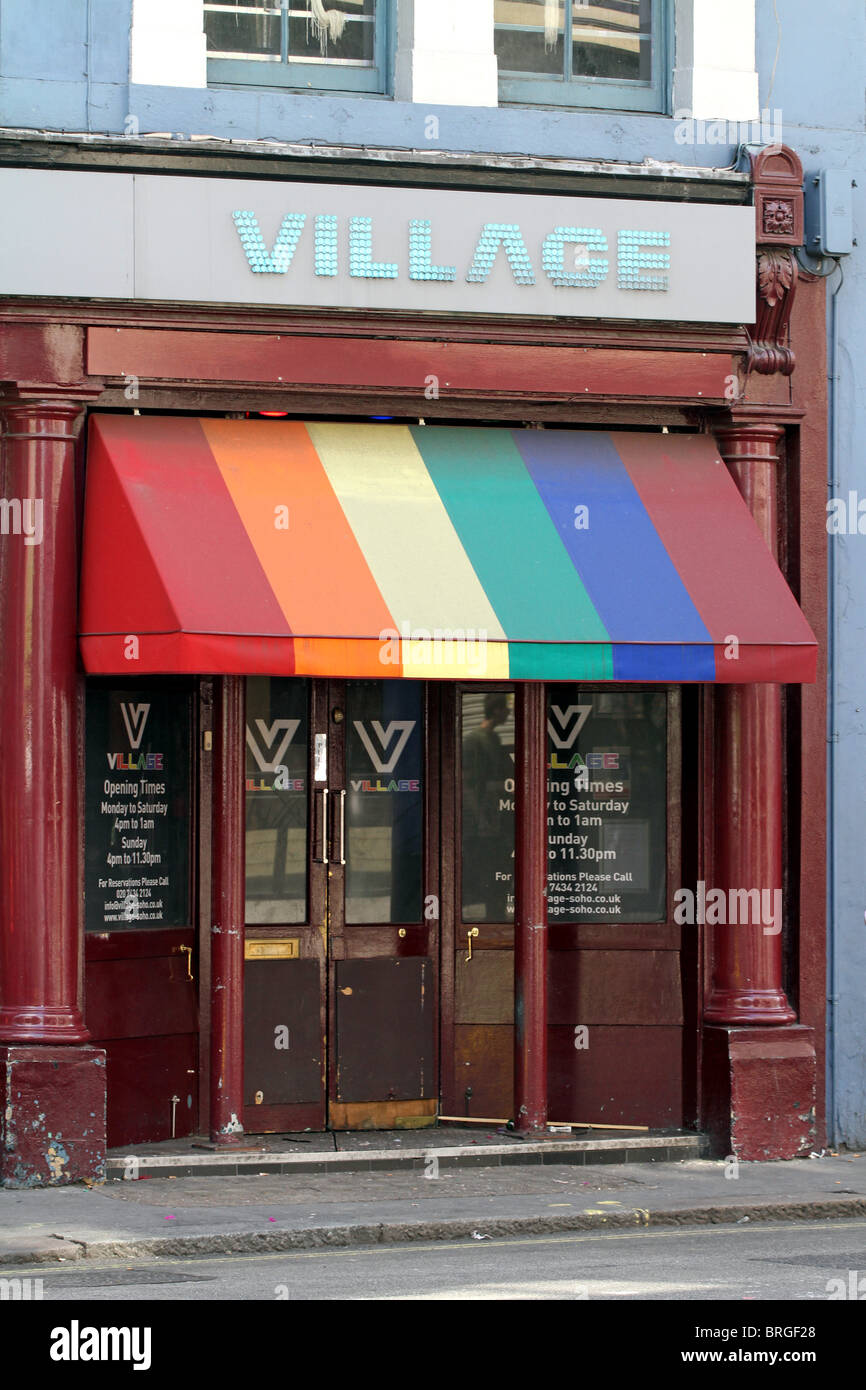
(324, 858)
(187, 951)
(342, 858)
(473, 931)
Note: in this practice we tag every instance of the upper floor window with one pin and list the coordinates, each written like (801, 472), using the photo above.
(602, 53)
(330, 45)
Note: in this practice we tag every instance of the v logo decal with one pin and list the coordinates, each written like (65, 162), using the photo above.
(135, 718)
(563, 717)
(266, 740)
(404, 728)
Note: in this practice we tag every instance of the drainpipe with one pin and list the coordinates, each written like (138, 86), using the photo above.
(832, 732)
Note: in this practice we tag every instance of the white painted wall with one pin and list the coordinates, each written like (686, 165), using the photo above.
(714, 74)
(445, 53)
(167, 44)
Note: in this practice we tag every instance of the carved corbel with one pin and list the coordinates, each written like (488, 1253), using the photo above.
(777, 178)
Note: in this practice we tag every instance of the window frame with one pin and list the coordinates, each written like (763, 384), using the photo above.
(326, 76)
(600, 93)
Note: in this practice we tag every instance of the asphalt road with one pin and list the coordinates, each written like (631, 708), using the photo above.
(793, 1262)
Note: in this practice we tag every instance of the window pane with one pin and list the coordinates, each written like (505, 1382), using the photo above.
(529, 36)
(350, 34)
(607, 806)
(229, 30)
(384, 801)
(613, 39)
(276, 800)
(487, 738)
(137, 808)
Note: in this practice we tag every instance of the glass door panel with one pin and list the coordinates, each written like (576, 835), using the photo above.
(487, 796)
(277, 744)
(385, 802)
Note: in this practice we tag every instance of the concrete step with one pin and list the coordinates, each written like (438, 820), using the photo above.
(414, 1153)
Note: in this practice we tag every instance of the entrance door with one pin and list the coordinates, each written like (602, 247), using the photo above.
(616, 1038)
(342, 906)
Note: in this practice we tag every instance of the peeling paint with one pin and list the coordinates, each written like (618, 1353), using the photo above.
(56, 1158)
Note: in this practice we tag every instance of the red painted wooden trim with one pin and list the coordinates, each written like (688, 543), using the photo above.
(335, 323)
(530, 907)
(807, 469)
(136, 945)
(294, 361)
(227, 952)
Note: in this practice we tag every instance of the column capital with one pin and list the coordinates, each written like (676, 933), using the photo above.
(80, 393)
(34, 410)
(749, 440)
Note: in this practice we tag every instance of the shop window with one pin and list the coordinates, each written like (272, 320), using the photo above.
(137, 807)
(606, 805)
(607, 793)
(597, 53)
(324, 45)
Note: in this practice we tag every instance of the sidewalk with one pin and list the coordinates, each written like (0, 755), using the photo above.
(396, 1201)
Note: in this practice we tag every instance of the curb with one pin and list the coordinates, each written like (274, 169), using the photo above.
(409, 1232)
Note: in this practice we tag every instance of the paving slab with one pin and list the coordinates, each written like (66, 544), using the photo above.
(253, 1213)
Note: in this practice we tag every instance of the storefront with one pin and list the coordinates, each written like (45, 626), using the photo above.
(441, 663)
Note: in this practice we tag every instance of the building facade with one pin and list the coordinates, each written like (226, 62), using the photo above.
(413, 607)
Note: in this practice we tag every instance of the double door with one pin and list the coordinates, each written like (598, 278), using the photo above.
(342, 910)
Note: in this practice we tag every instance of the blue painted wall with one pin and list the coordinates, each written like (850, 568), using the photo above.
(820, 76)
(64, 65)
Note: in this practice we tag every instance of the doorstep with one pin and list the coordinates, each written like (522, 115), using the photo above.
(364, 1151)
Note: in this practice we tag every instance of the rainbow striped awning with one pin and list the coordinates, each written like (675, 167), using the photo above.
(380, 550)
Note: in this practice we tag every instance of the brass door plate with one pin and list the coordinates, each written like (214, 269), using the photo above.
(275, 948)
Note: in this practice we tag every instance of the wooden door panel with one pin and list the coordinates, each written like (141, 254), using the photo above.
(283, 1054)
(614, 987)
(627, 1076)
(484, 1071)
(484, 990)
(142, 1075)
(385, 1029)
(149, 997)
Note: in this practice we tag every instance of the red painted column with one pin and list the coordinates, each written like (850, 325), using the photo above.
(227, 934)
(747, 974)
(530, 908)
(41, 939)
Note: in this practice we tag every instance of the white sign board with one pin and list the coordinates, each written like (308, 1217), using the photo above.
(243, 241)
